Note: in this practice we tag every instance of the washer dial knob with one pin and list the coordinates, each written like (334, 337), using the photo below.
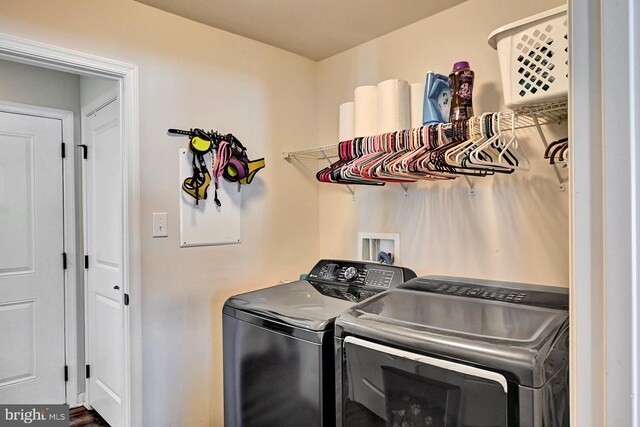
(350, 273)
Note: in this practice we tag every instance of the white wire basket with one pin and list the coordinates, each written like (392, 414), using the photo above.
(534, 58)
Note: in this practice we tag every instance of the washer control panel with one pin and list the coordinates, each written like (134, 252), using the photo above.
(380, 278)
(356, 280)
(359, 274)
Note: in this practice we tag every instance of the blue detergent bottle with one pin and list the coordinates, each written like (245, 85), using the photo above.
(437, 99)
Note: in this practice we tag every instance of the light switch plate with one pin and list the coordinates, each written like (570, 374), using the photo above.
(160, 228)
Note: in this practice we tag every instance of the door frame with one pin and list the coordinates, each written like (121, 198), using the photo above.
(47, 56)
(68, 236)
(604, 129)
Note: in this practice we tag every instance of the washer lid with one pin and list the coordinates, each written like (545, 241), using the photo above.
(298, 304)
(510, 337)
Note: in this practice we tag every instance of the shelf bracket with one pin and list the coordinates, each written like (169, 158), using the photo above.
(561, 183)
(406, 189)
(353, 194)
(472, 189)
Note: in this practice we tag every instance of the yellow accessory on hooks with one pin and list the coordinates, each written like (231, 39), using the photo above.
(253, 167)
(200, 145)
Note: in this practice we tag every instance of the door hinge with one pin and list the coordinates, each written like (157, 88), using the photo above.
(126, 299)
(66, 373)
(88, 371)
(63, 149)
(64, 260)
(86, 261)
(84, 150)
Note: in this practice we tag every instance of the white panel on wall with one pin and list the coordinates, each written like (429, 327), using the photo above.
(19, 340)
(206, 223)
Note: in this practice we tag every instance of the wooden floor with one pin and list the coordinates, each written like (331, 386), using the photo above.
(82, 417)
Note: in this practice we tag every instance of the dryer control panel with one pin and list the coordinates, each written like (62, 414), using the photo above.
(515, 293)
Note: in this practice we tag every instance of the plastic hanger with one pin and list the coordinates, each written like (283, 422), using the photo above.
(452, 153)
(427, 162)
(511, 147)
(478, 124)
(551, 146)
(393, 146)
(483, 155)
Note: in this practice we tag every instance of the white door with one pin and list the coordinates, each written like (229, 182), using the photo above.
(32, 342)
(105, 290)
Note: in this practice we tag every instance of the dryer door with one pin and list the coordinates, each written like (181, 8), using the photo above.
(385, 386)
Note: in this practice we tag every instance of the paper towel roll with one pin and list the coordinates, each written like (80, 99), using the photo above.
(393, 106)
(345, 132)
(365, 111)
(416, 93)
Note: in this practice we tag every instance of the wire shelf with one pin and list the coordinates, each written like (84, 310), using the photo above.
(316, 153)
(552, 112)
(544, 114)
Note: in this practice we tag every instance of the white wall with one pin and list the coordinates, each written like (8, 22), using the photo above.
(196, 76)
(515, 228)
(92, 88)
(31, 85)
(26, 84)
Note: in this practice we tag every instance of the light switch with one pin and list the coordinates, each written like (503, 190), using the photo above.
(160, 225)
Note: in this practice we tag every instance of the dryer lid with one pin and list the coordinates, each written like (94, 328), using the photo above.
(507, 336)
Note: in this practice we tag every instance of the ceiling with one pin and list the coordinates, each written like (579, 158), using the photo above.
(316, 29)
